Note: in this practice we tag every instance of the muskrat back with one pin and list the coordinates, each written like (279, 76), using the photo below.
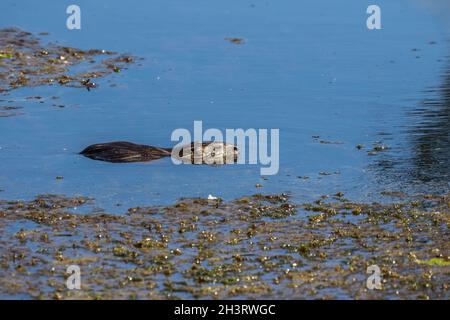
(122, 151)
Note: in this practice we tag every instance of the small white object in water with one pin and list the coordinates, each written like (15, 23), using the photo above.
(211, 197)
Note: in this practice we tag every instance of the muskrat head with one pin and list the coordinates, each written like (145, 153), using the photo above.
(211, 152)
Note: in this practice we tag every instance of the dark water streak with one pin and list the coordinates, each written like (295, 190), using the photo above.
(427, 137)
(430, 135)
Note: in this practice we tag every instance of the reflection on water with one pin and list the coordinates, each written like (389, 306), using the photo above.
(430, 135)
(426, 166)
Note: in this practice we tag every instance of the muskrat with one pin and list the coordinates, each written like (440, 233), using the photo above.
(210, 152)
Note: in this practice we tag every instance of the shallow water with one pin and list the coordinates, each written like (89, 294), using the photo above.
(308, 68)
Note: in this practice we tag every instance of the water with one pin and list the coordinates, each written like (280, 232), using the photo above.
(308, 68)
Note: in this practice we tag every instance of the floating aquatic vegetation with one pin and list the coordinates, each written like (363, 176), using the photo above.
(253, 247)
(435, 262)
(6, 56)
(26, 61)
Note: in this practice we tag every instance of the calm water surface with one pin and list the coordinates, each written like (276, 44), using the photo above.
(308, 68)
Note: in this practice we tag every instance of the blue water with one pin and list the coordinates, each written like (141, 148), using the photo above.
(306, 67)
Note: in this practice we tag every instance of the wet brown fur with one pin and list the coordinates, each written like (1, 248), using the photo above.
(122, 151)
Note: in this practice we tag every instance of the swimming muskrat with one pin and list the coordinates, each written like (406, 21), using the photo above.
(211, 152)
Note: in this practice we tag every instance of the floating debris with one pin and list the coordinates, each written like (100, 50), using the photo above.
(377, 148)
(322, 141)
(88, 84)
(235, 40)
